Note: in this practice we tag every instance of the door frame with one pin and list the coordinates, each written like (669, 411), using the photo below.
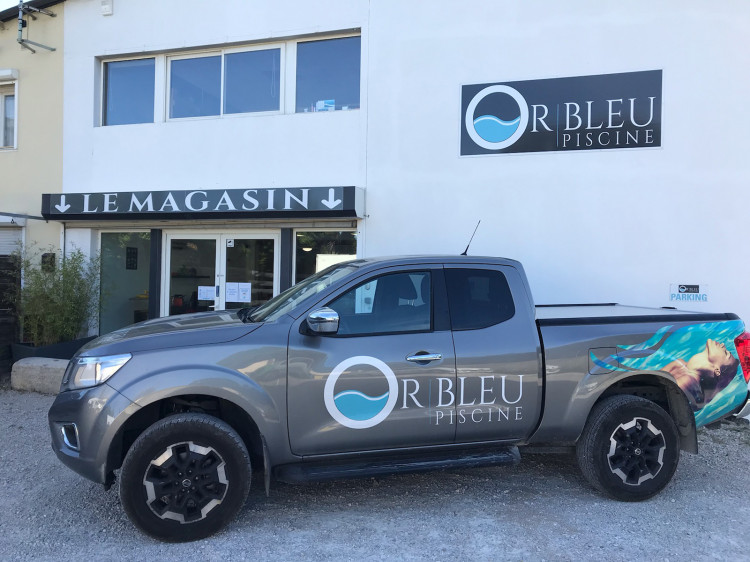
(221, 254)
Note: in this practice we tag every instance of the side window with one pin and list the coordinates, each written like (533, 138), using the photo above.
(129, 92)
(478, 298)
(328, 74)
(397, 302)
(195, 86)
(7, 116)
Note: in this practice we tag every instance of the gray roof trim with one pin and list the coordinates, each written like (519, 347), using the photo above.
(12, 13)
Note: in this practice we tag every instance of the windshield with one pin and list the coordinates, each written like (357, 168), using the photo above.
(286, 301)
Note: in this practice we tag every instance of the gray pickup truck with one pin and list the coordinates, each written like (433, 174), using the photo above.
(377, 366)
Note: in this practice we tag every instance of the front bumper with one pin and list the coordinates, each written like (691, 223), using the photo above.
(83, 424)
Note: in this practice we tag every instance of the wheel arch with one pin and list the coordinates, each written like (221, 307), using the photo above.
(663, 392)
(563, 422)
(231, 413)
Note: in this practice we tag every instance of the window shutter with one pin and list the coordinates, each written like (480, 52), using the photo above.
(10, 239)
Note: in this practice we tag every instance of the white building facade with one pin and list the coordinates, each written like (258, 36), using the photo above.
(216, 156)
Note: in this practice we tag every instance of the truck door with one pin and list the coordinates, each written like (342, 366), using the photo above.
(376, 383)
(498, 355)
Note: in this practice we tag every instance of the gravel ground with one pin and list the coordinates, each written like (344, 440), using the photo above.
(541, 509)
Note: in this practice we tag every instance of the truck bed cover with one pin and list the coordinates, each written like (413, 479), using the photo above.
(611, 313)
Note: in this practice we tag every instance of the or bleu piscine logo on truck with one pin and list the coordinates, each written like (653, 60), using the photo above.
(353, 408)
(605, 111)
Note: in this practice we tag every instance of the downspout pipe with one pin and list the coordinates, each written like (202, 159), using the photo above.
(20, 22)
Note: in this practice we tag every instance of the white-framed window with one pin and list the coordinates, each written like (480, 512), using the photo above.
(226, 82)
(8, 115)
(328, 74)
(299, 75)
(128, 88)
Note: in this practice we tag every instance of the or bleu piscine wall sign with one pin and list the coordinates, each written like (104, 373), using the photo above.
(342, 201)
(605, 111)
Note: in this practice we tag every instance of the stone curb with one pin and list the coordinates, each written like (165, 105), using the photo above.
(38, 374)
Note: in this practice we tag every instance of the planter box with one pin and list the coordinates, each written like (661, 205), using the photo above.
(63, 350)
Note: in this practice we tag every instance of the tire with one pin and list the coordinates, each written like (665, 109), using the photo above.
(200, 466)
(629, 448)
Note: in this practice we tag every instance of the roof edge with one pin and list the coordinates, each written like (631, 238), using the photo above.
(12, 13)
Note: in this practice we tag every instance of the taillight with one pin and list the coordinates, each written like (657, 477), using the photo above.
(742, 343)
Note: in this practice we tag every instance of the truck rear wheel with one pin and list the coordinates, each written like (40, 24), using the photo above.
(185, 477)
(629, 448)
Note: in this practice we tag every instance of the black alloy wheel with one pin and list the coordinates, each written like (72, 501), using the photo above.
(185, 482)
(636, 452)
(629, 448)
(185, 477)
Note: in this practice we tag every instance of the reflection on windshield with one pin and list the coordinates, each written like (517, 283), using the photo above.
(286, 301)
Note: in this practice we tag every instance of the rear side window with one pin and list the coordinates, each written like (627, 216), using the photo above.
(478, 298)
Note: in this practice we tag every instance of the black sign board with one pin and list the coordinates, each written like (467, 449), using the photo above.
(287, 202)
(606, 111)
(689, 288)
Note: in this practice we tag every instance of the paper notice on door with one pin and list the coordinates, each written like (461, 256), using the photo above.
(244, 292)
(232, 292)
(206, 292)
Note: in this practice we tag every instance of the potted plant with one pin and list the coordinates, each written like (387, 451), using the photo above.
(55, 302)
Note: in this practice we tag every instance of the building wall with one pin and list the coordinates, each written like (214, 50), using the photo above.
(610, 225)
(589, 226)
(230, 152)
(35, 166)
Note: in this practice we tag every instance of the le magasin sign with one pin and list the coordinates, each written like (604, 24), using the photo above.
(605, 111)
(288, 202)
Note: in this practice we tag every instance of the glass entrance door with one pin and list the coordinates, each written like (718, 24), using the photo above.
(191, 274)
(219, 271)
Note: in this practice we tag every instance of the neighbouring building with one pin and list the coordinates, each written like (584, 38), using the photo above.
(31, 124)
(215, 153)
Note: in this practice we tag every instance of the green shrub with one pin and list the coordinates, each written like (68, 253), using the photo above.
(57, 297)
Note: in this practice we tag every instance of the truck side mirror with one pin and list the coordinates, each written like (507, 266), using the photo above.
(323, 321)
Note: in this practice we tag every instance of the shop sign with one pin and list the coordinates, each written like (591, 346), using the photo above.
(691, 293)
(605, 111)
(209, 203)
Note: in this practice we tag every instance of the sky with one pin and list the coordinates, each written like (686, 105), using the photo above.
(5, 4)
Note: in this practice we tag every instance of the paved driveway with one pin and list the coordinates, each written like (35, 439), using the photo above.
(540, 509)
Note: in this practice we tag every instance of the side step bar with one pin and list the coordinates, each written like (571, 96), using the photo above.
(356, 467)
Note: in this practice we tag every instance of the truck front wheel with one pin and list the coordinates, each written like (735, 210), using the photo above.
(629, 448)
(185, 477)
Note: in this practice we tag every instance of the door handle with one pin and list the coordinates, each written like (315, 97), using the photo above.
(424, 357)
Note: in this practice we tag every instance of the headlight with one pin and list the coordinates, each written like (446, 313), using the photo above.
(91, 371)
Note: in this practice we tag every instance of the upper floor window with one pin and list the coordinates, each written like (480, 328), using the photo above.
(7, 116)
(129, 92)
(328, 74)
(195, 87)
(283, 77)
(252, 81)
(232, 82)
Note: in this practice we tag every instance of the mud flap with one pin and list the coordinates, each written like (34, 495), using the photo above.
(266, 467)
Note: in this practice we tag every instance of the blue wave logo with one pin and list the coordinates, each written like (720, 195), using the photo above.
(494, 129)
(358, 406)
(355, 409)
(490, 132)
